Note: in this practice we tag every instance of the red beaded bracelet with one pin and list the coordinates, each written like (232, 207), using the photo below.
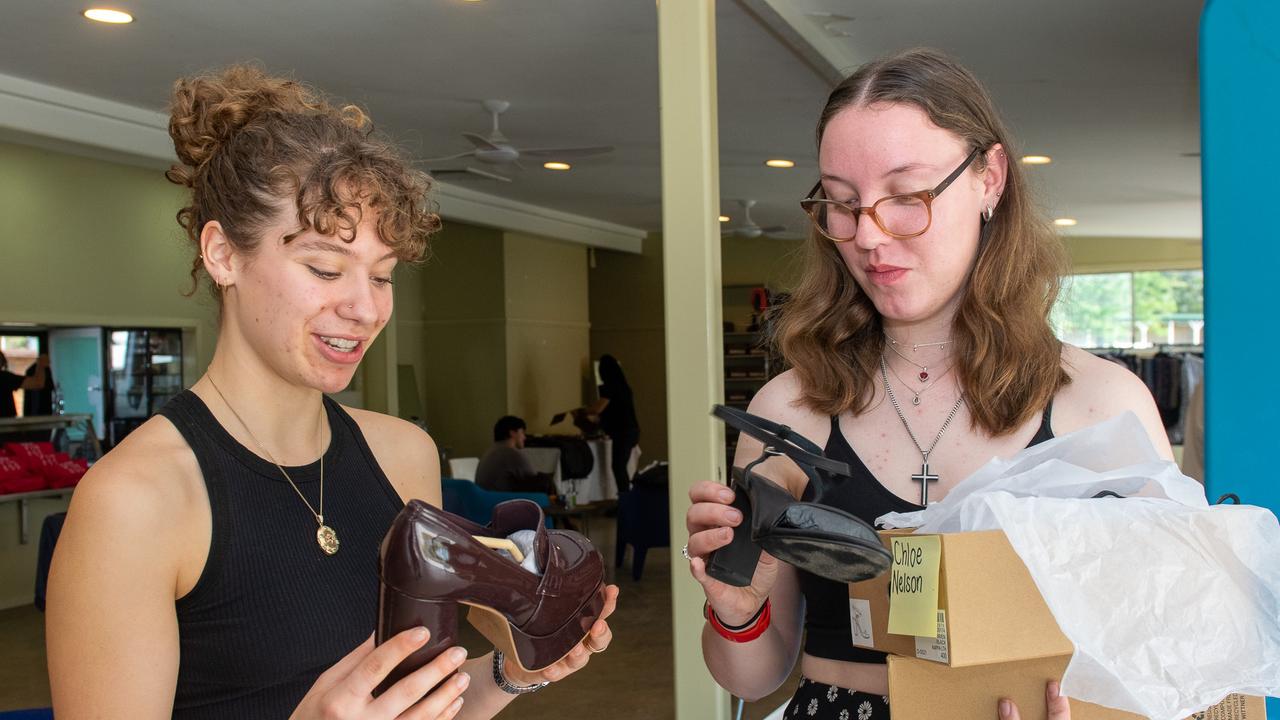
(751, 631)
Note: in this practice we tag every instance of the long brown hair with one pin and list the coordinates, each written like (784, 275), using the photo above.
(249, 144)
(1008, 361)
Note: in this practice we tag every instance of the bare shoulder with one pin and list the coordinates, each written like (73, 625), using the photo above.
(149, 483)
(779, 401)
(406, 454)
(1100, 390)
(141, 510)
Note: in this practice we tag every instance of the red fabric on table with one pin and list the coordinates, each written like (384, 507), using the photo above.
(11, 468)
(44, 463)
(29, 453)
(21, 484)
(66, 474)
(29, 448)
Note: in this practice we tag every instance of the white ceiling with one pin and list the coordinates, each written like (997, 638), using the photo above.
(1108, 88)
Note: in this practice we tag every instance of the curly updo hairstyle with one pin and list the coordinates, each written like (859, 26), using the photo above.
(252, 146)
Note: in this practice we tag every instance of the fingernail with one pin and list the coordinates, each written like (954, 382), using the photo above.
(1006, 708)
(735, 516)
(420, 634)
(1054, 690)
(726, 496)
(457, 656)
(726, 533)
(456, 707)
(462, 680)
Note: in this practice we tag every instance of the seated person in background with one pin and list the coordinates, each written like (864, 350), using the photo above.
(505, 468)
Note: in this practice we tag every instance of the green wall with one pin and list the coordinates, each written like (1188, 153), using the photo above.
(451, 328)
(494, 323)
(547, 330)
(91, 242)
(627, 322)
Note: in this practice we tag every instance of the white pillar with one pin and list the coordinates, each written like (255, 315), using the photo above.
(694, 337)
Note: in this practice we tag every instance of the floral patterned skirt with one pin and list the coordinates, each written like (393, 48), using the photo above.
(828, 702)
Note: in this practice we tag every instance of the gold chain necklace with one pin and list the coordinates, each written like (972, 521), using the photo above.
(326, 538)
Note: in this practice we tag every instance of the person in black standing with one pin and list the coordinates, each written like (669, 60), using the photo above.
(10, 382)
(39, 400)
(617, 411)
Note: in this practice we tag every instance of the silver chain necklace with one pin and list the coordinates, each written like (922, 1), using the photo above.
(915, 400)
(924, 477)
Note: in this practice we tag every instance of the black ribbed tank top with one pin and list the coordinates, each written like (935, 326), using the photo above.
(826, 615)
(271, 611)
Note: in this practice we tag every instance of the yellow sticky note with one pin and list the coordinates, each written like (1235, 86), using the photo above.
(913, 586)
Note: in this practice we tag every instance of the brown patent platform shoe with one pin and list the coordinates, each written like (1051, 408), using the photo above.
(431, 562)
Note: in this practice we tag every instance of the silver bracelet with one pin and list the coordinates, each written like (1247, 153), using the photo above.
(500, 678)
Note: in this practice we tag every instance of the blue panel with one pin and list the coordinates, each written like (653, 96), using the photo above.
(1240, 104)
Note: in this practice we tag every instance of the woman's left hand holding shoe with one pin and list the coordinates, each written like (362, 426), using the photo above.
(597, 640)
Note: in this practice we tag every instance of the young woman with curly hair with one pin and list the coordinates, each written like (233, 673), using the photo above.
(221, 561)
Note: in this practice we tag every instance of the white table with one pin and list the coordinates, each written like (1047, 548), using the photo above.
(598, 485)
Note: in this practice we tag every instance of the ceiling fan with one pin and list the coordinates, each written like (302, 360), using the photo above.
(496, 150)
(749, 228)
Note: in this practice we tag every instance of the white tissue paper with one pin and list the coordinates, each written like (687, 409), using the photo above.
(526, 540)
(1172, 604)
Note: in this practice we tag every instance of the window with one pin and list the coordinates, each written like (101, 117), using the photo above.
(1131, 309)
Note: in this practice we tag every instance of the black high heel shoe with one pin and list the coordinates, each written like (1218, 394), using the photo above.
(823, 540)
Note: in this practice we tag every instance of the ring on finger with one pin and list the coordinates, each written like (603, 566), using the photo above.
(591, 648)
(685, 552)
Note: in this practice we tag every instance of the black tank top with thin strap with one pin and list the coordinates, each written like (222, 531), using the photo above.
(826, 615)
(271, 611)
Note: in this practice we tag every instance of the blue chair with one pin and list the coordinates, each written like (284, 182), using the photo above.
(49, 532)
(643, 523)
(465, 498)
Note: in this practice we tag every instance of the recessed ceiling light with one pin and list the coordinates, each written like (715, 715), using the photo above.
(1064, 222)
(779, 163)
(103, 15)
(724, 218)
(1036, 159)
(556, 165)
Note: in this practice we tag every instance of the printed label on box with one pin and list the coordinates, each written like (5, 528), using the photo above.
(1233, 707)
(913, 585)
(860, 623)
(934, 648)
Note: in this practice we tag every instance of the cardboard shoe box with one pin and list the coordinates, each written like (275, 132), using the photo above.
(988, 609)
(923, 690)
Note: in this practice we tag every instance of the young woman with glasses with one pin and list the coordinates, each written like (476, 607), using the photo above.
(920, 348)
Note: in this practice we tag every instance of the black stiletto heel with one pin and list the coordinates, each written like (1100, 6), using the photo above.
(823, 540)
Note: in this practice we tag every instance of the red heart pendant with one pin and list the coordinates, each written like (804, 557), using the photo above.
(924, 376)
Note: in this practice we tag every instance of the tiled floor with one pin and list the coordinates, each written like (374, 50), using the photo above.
(633, 680)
